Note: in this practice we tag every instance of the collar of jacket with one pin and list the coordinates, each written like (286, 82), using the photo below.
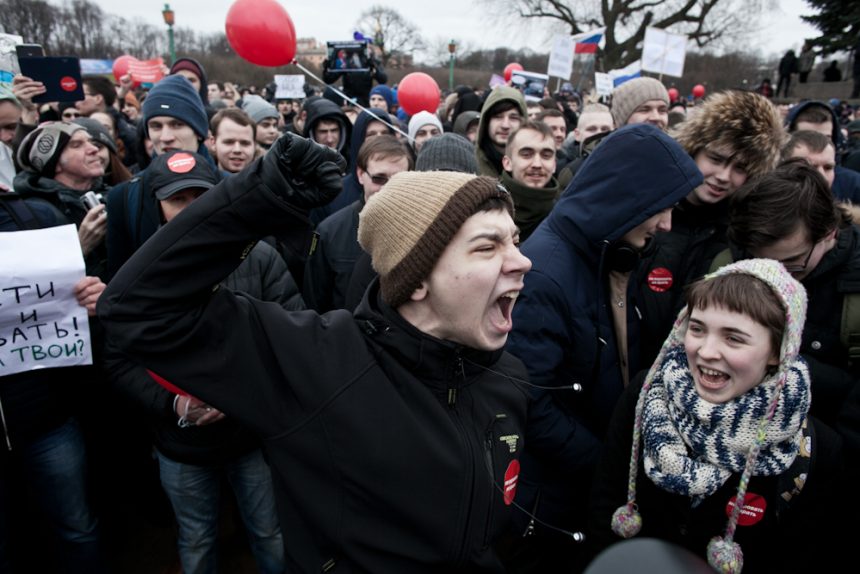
(437, 362)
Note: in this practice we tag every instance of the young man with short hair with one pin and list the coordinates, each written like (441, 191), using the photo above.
(816, 148)
(503, 112)
(393, 433)
(819, 117)
(529, 164)
(233, 135)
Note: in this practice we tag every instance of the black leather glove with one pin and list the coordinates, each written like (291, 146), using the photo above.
(314, 172)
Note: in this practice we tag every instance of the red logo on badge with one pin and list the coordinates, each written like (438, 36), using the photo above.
(68, 83)
(660, 279)
(511, 477)
(752, 511)
(181, 163)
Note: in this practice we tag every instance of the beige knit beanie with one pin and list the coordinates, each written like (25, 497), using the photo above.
(632, 94)
(406, 226)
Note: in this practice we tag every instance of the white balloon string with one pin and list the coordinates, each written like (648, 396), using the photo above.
(354, 102)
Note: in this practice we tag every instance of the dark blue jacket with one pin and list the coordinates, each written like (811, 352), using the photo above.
(563, 326)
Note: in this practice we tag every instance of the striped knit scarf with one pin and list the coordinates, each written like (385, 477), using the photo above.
(691, 446)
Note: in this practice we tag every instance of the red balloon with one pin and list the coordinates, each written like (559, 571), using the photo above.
(418, 92)
(121, 65)
(698, 90)
(509, 70)
(673, 94)
(261, 32)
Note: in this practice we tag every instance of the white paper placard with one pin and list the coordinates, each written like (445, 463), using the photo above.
(664, 52)
(603, 84)
(41, 323)
(561, 57)
(289, 87)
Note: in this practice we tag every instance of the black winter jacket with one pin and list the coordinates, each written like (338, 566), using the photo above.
(262, 275)
(390, 449)
(675, 259)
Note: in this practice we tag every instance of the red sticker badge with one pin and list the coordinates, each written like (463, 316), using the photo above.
(68, 83)
(660, 279)
(181, 163)
(752, 511)
(511, 477)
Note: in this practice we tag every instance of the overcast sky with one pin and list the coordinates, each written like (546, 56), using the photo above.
(441, 20)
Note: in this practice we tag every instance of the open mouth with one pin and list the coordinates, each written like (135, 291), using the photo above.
(712, 378)
(503, 309)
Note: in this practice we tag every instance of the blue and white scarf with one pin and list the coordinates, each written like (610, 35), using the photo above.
(691, 447)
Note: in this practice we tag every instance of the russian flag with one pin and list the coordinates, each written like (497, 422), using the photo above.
(628, 72)
(588, 42)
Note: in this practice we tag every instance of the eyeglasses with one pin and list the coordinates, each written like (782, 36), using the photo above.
(379, 179)
(67, 115)
(800, 268)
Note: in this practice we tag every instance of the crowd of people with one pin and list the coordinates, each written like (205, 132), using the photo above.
(501, 336)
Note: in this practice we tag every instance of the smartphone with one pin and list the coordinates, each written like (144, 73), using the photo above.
(29, 51)
(61, 76)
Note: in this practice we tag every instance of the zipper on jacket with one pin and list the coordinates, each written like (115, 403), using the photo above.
(491, 469)
(461, 371)
(5, 428)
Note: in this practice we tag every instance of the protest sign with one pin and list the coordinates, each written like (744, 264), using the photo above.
(8, 58)
(289, 87)
(41, 323)
(603, 84)
(664, 52)
(90, 66)
(561, 57)
(146, 71)
(531, 84)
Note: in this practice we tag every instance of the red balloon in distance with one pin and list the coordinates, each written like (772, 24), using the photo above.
(509, 70)
(418, 92)
(698, 90)
(673, 94)
(121, 65)
(261, 32)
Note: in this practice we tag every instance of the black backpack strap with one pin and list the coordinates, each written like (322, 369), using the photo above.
(20, 211)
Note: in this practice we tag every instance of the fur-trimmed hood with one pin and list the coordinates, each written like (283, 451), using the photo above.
(745, 122)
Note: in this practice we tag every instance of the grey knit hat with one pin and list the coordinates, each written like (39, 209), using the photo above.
(632, 94)
(407, 225)
(448, 152)
(97, 132)
(258, 108)
(40, 151)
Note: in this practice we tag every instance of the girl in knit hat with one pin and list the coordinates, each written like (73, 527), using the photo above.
(722, 416)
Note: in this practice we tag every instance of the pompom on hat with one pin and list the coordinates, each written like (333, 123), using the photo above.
(725, 555)
(407, 225)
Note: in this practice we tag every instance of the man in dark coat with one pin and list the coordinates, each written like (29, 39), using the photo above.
(393, 434)
(576, 323)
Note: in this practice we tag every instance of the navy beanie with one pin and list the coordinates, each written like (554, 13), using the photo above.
(385, 92)
(174, 96)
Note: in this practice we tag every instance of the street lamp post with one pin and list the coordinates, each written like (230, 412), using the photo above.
(452, 49)
(169, 19)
